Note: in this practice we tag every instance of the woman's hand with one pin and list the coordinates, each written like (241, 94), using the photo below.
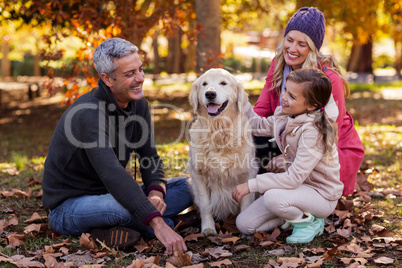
(239, 191)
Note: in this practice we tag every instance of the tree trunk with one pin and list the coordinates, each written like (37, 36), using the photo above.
(157, 69)
(361, 58)
(37, 71)
(5, 61)
(209, 38)
(174, 61)
(190, 52)
(398, 57)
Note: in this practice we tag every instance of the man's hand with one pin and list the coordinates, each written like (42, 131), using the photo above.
(169, 238)
(156, 198)
(239, 191)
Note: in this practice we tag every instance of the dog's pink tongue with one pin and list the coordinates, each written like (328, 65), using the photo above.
(213, 108)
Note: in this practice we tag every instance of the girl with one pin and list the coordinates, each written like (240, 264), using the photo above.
(300, 48)
(308, 187)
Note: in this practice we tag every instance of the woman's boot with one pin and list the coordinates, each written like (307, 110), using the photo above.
(304, 230)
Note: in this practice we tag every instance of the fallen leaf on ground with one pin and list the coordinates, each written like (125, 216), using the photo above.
(362, 184)
(7, 259)
(218, 252)
(240, 248)
(15, 240)
(87, 241)
(199, 265)
(338, 239)
(361, 261)
(291, 261)
(351, 247)
(315, 250)
(286, 250)
(344, 204)
(179, 258)
(23, 194)
(137, 263)
(384, 260)
(345, 232)
(153, 260)
(378, 230)
(32, 228)
(64, 250)
(264, 244)
(141, 246)
(232, 239)
(22, 261)
(193, 237)
(332, 253)
(12, 220)
(65, 242)
(35, 217)
(219, 263)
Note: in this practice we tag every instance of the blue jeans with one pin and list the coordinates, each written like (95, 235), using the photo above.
(80, 214)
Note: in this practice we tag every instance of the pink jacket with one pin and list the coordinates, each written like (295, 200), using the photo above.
(350, 147)
(303, 150)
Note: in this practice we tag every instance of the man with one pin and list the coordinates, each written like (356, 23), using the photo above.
(85, 184)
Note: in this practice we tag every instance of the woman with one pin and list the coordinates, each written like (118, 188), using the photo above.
(304, 35)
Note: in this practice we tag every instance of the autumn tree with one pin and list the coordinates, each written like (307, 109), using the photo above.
(360, 25)
(22, 32)
(209, 39)
(393, 8)
(94, 21)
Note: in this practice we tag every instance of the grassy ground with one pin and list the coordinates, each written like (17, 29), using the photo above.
(355, 231)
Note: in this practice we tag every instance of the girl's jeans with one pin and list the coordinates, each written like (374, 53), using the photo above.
(80, 214)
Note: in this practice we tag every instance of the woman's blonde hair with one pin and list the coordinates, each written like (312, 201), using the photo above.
(315, 59)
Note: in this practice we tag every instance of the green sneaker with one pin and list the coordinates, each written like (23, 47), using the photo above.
(304, 230)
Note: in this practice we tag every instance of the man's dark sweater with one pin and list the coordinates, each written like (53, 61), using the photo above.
(90, 149)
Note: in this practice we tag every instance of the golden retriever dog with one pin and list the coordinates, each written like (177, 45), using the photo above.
(222, 151)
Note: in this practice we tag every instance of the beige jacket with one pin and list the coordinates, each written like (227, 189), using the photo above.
(302, 149)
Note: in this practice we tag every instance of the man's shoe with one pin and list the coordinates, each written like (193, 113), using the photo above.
(304, 230)
(116, 237)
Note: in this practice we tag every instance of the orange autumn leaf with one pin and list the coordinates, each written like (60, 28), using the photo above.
(35, 218)
(32, 228)
(232, 240)
(137, 263)
(291, 261)
(87, 241)
(65, 242)
(193, 237)
(179, 258)
(141, 246)
(378, 230)
(15, 240)
(12, 220)
(220, 263)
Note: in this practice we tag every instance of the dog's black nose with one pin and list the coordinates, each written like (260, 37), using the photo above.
(210, 95)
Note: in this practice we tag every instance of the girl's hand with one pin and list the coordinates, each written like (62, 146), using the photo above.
(239, 191)
(276, 165)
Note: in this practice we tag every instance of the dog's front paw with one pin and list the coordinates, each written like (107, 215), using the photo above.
(209, 232)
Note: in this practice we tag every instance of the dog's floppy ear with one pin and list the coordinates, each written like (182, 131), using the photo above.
(242, 97)
(193, 98)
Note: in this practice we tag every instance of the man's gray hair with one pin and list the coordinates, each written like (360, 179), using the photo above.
(110, 50)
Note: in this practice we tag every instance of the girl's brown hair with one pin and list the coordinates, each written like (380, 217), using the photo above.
(317, 92)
